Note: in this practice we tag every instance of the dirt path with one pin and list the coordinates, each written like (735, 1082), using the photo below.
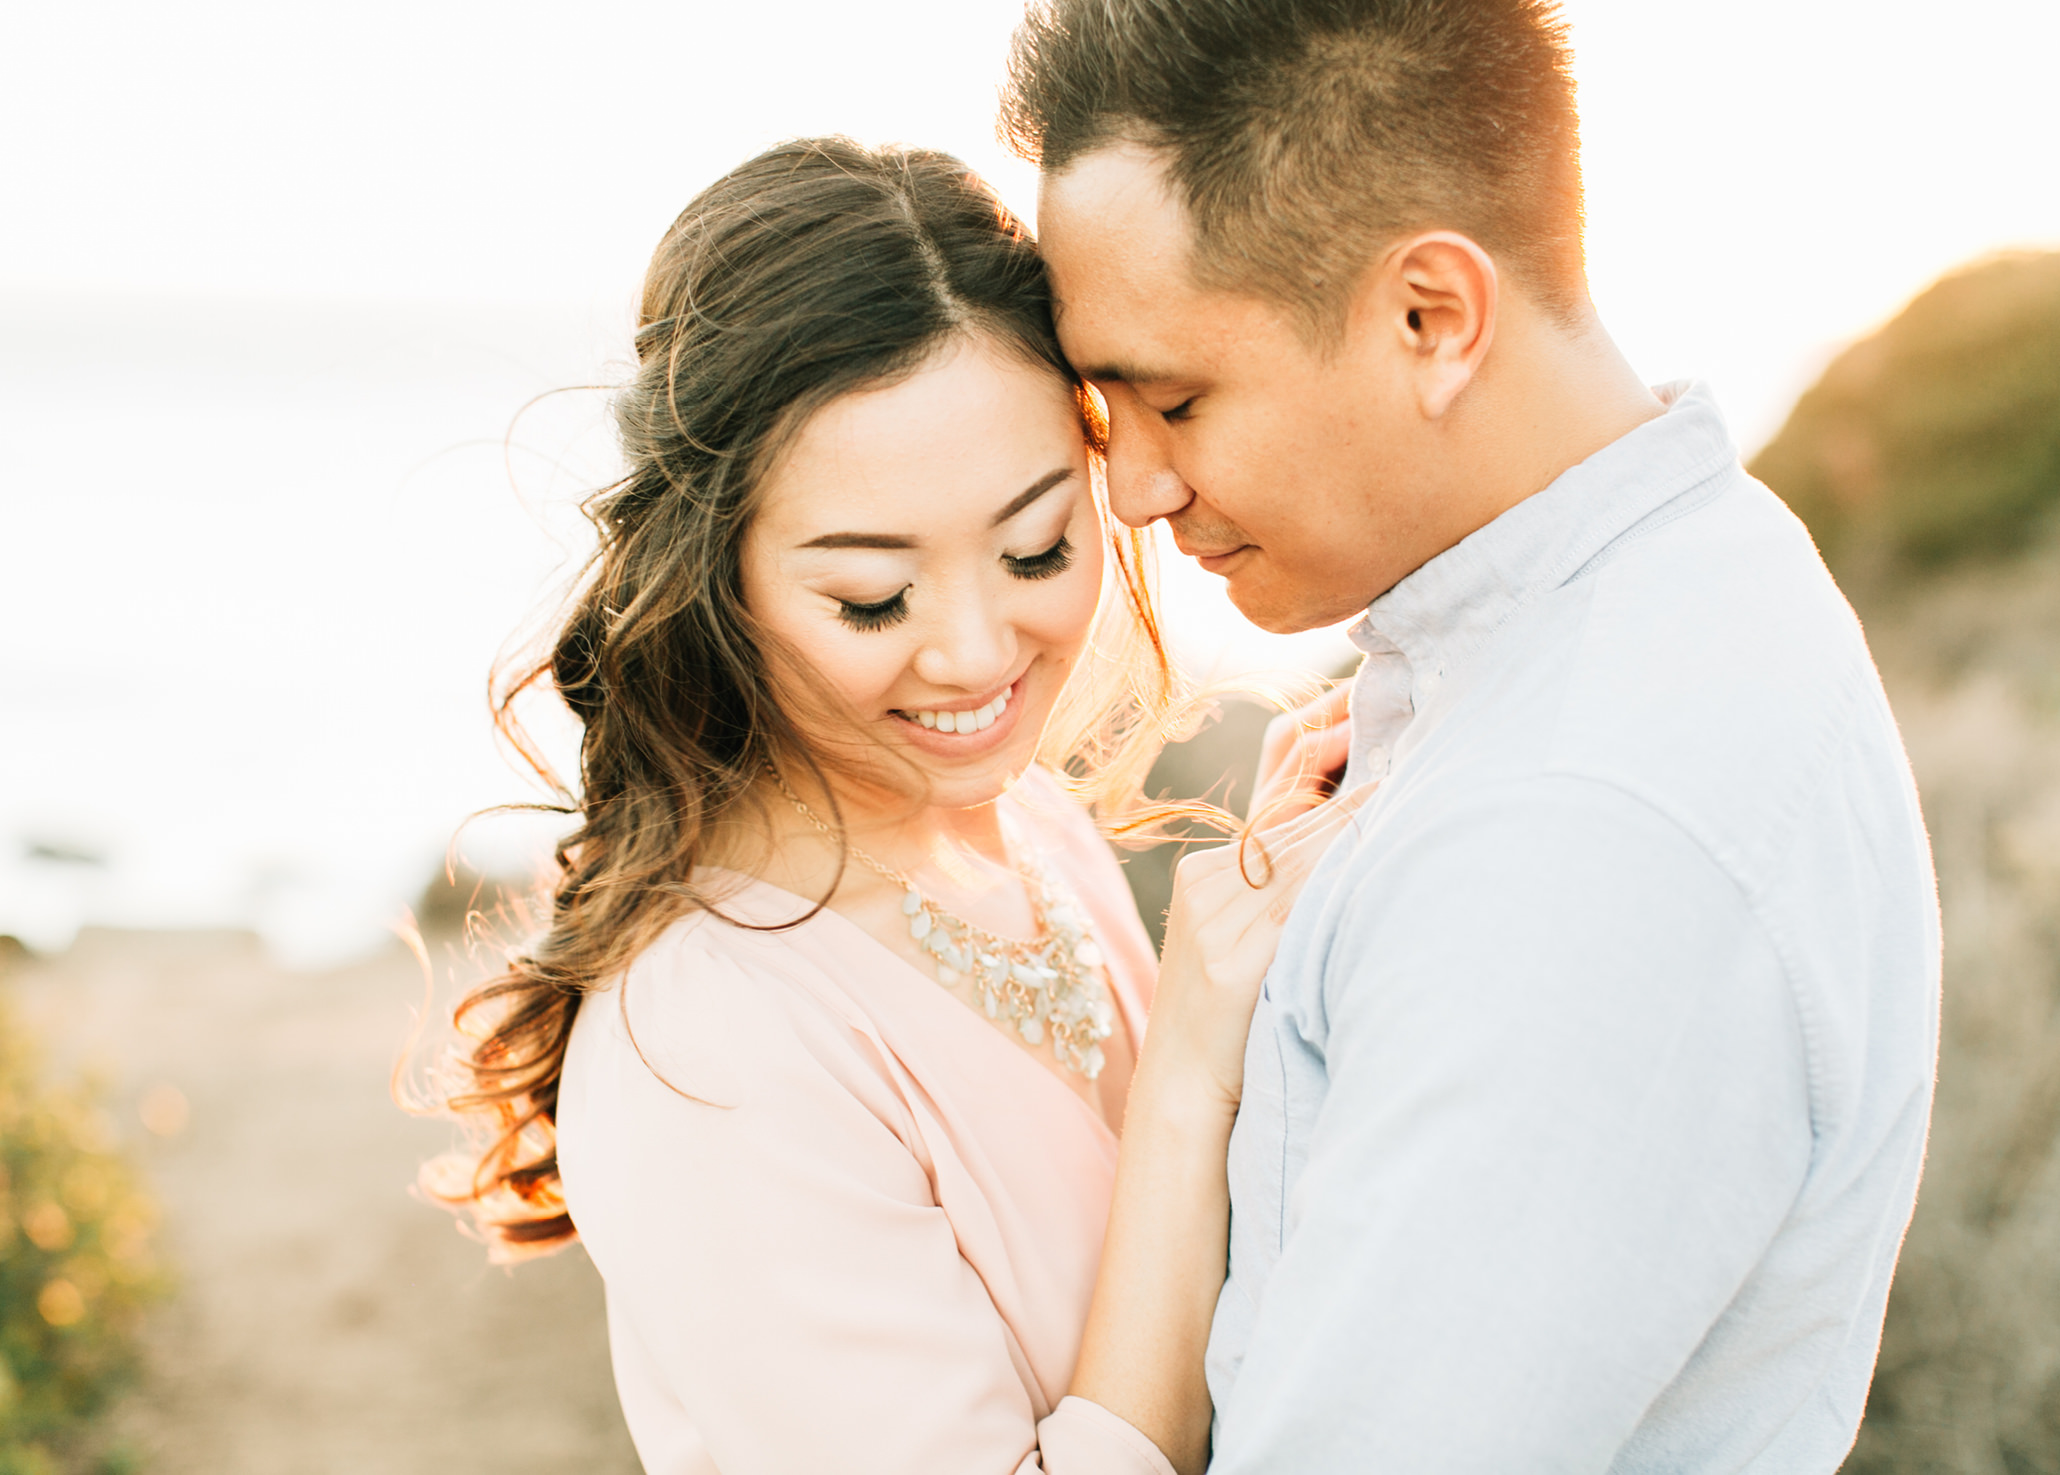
(325, 1321)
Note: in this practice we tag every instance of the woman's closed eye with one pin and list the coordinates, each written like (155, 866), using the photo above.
(1049, 564)
(874, 616)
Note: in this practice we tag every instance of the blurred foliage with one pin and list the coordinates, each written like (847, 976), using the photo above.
(1969, 1375)
(1926, 463)
(1937, 437)
(76, 1263)
(459, 901)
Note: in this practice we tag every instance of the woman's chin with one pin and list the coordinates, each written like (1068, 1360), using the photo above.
(969, 783)
(969, 779)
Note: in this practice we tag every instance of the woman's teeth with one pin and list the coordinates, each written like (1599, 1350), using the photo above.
(978, 720)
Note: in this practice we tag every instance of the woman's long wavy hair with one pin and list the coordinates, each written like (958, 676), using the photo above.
(818, 268)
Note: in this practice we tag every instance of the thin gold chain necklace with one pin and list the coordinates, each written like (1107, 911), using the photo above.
(1051, 985)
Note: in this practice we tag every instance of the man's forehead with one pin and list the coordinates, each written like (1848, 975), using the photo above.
(1116, 240)
(1117, 198)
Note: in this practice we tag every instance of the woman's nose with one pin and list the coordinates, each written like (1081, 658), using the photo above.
(1143, 486)
(970, 647)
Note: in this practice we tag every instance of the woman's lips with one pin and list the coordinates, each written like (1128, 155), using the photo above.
(964, 719)
(1002, 711)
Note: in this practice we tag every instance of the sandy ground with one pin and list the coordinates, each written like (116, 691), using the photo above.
(326, 1321)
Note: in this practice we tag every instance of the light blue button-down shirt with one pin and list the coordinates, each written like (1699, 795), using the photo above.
(1585, 1103)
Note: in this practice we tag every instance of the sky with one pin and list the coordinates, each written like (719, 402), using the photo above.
(276, 283)
(1767, 178)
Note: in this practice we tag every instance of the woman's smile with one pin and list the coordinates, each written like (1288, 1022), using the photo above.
(964, 729)
(942, 582)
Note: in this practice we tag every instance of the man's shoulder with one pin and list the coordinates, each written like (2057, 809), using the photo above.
(1705, 665)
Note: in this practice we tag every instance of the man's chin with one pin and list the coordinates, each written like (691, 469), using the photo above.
(1267, 608)
(1282, 608)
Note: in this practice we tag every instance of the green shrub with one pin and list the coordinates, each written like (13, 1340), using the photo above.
(1939, 436)
(76, 1264)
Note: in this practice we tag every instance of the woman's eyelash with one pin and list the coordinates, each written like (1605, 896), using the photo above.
(874, 616)
(1180, 411)
(1049, 564)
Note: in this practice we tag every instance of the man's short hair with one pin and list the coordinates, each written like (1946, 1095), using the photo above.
(1306, 135)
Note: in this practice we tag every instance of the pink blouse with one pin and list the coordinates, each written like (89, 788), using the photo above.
(844, 1223)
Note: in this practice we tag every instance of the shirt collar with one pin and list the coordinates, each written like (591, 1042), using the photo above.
(1445, 610)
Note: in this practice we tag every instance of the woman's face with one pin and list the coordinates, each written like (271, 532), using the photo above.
(932, 551)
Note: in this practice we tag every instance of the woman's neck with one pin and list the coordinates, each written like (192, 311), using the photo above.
(962, 851)
(938, 837)
(910, 838)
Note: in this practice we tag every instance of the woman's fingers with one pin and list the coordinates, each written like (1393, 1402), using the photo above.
(1329, 709)
(1313, 834)
(1301, 757)
(1247, 875)
(1254, 881)
(1326, 710)
(1221, 934)
(1329, 747)
(1311, 831)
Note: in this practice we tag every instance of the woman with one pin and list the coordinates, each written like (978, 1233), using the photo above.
(843, 1140)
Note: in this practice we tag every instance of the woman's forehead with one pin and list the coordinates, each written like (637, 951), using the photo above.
(960, 439)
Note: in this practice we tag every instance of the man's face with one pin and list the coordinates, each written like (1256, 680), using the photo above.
(1281, 464)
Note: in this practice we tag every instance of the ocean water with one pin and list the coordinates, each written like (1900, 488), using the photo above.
(256, 559)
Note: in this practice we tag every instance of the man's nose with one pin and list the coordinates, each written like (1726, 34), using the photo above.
(1143, 486)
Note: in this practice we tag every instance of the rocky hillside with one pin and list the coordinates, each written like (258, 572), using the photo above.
(1938, 437)
(1927, 464)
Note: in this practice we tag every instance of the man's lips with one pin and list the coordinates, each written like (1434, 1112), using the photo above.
(1209, 540)
(1217, 562)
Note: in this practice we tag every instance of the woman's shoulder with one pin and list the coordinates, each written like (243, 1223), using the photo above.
(732, 997)
(715, 1083)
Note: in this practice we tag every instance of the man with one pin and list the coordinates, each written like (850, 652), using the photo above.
(1584, 1108)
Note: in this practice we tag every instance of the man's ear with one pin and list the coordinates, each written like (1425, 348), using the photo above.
(1433, 298)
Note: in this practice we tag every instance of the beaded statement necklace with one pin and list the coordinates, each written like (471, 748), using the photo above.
(1047, 986)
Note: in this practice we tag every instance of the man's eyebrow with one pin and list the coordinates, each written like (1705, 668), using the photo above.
(1123, 372)
(1021, 500)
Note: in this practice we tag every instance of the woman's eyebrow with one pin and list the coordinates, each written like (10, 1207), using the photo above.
(1016, 504)
(1030, 494)
(861, 540)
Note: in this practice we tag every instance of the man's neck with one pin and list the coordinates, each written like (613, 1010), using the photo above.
(1548, 399)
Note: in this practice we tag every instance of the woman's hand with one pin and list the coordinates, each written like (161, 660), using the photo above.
(1229, 906)
(1169, 1224)
(1302, 758)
